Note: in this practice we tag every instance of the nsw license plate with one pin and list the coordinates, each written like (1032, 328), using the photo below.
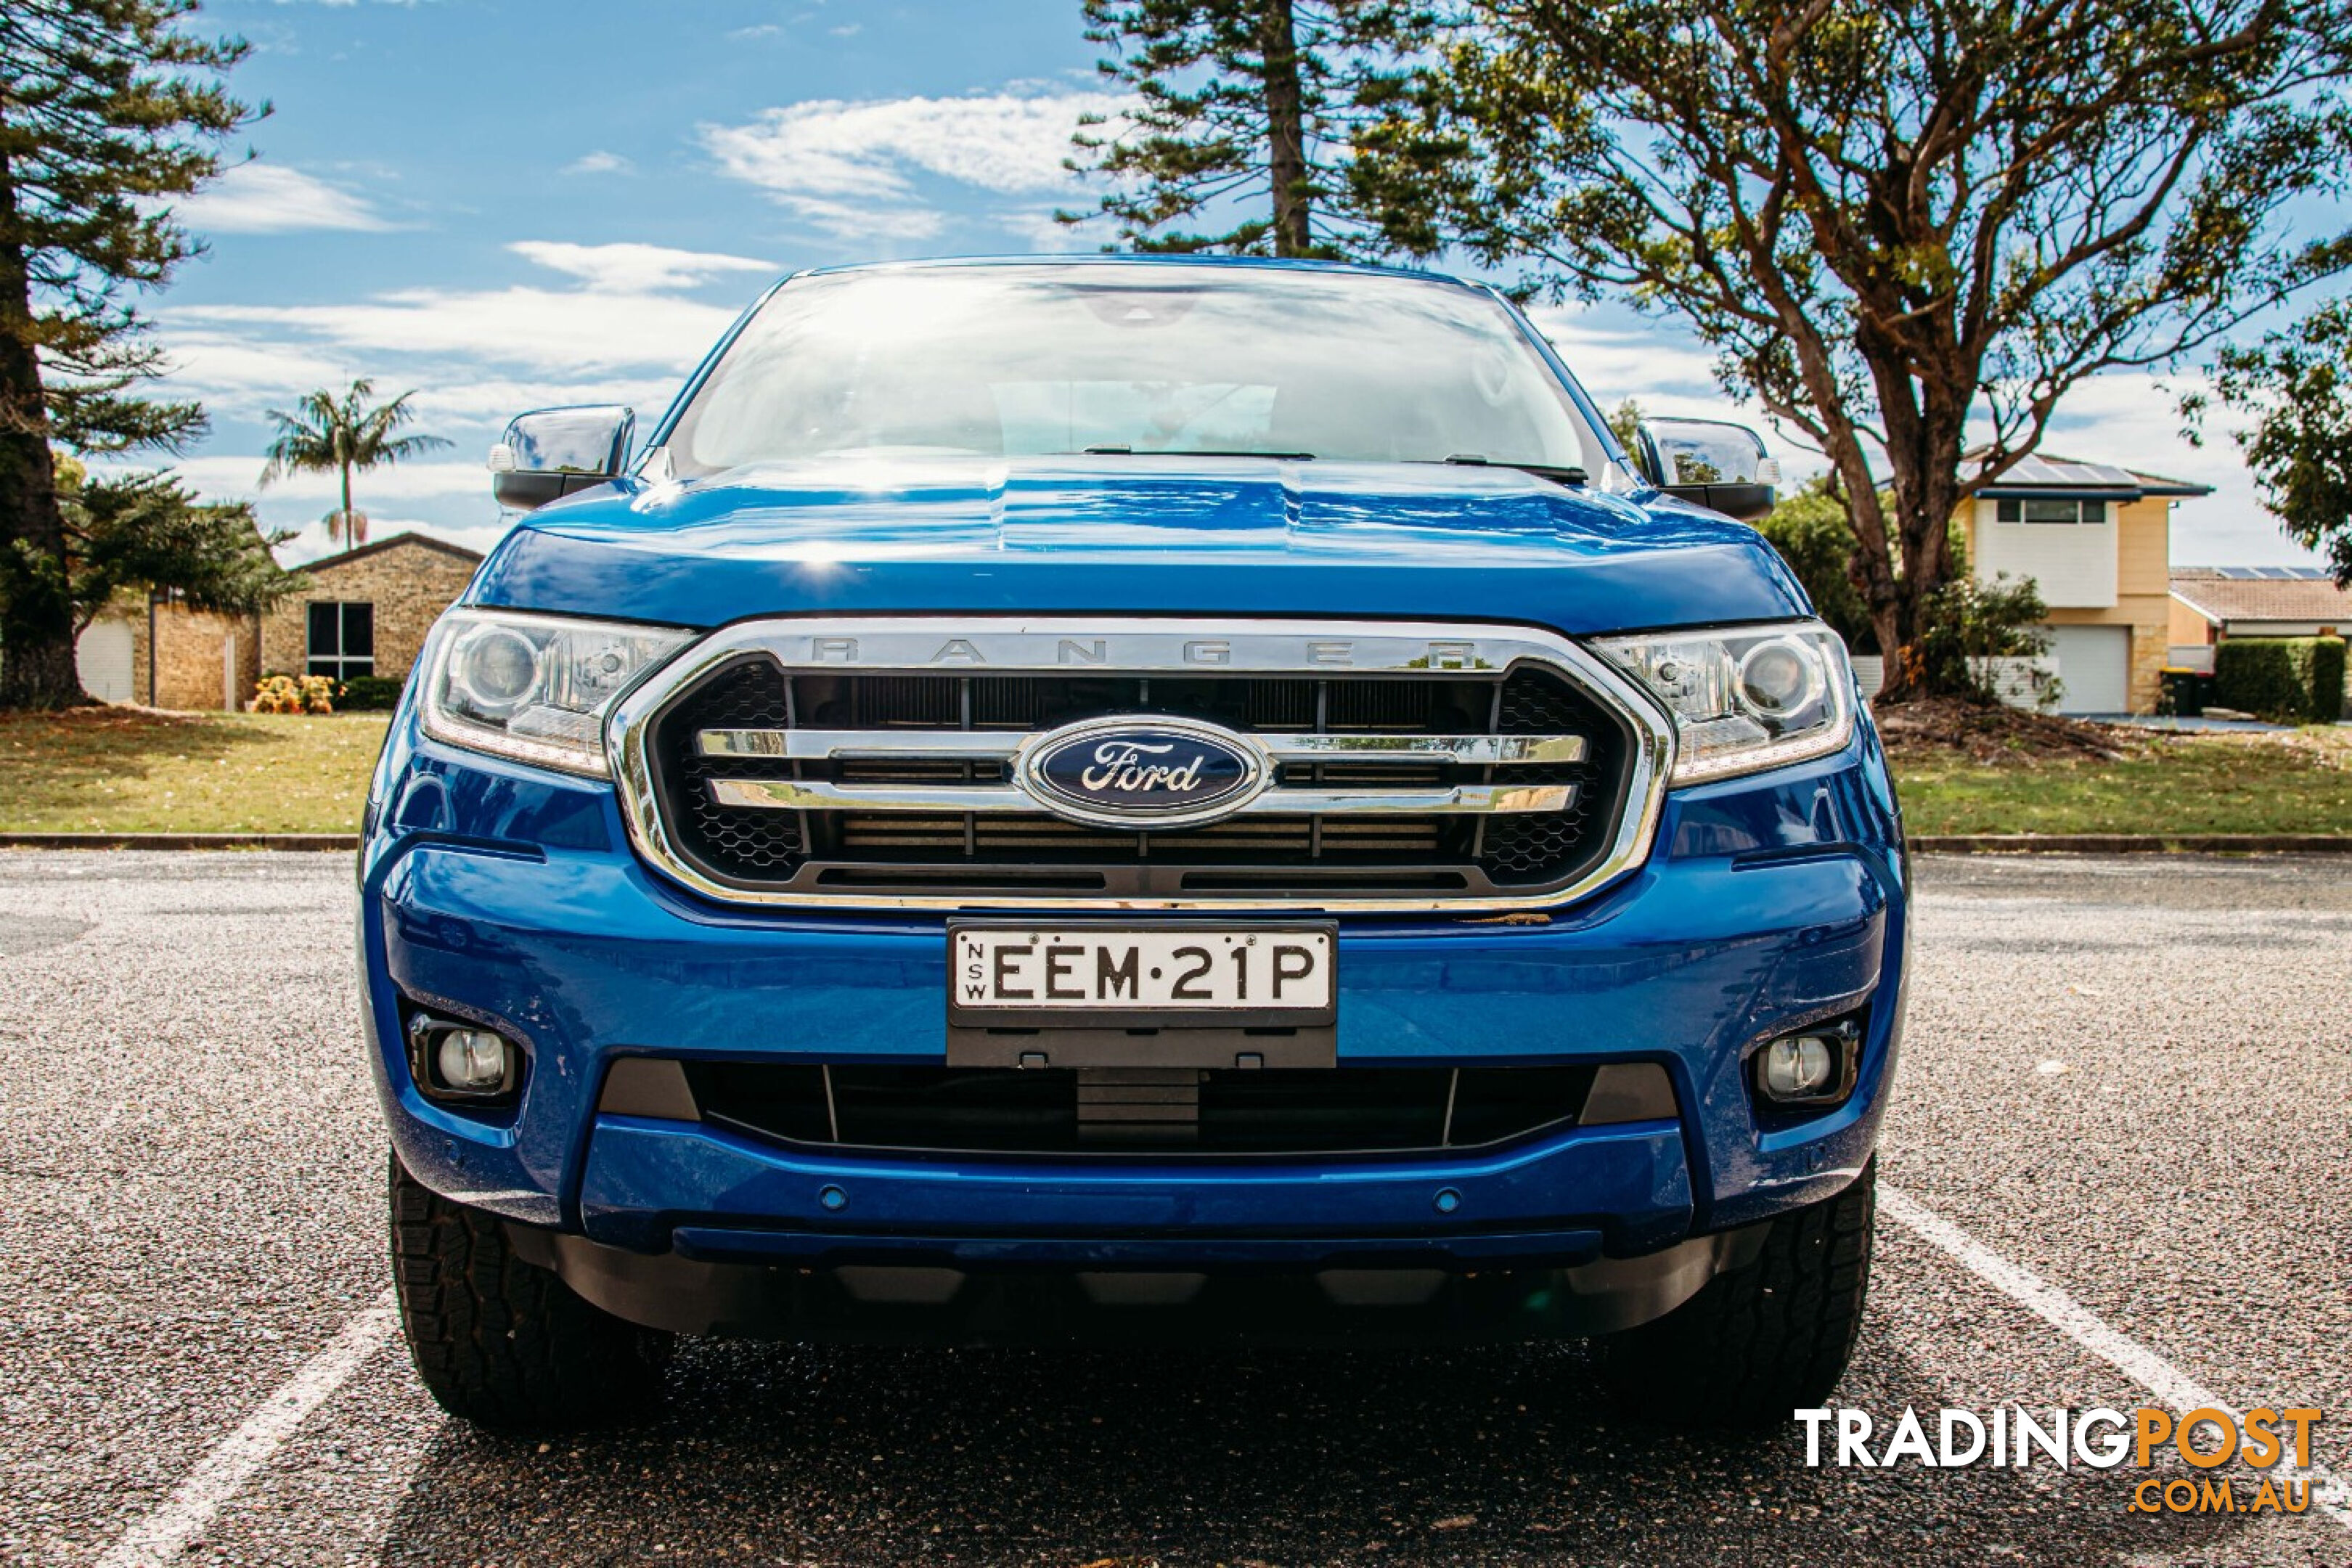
(1082, 973)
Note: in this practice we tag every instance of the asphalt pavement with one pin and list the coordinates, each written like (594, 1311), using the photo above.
(2121, 1153)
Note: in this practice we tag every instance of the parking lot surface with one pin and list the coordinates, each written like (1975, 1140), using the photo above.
(2120, 1155)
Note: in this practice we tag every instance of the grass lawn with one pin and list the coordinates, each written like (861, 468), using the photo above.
(2297, 781)
(127, 769)
(130, 770)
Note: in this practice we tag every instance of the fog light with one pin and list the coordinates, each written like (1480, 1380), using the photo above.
(451, 1060)
(1800, 1068)
(471, 1059)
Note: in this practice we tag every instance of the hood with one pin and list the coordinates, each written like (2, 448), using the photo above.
(1139, 535)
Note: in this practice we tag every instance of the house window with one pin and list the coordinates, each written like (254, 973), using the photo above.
(342, 640)
(2036, 508)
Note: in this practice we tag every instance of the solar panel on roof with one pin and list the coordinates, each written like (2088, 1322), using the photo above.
(2236, 574)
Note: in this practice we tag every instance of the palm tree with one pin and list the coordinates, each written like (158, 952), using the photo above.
(344, 436)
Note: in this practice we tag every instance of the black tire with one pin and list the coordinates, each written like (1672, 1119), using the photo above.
(1761, 1341)
(500, 1342)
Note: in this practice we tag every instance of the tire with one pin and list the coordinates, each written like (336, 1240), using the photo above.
(1763, 1340)
(501, 1343)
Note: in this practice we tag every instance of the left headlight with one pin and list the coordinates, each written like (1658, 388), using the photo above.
(1744, 698)
(534, 687)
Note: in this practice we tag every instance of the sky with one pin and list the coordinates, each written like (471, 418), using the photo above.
(508, 205)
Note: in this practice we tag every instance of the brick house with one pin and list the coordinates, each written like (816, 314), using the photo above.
(2097, 540)
(366, 611)
(164, 654)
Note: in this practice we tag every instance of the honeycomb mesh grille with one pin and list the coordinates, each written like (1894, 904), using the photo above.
(1250, 855)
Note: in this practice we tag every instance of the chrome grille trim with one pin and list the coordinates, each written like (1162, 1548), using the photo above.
(1075, 646)
(867, 745)
(788, 794)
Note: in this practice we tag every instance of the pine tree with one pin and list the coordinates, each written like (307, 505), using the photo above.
(1239, 103)
(107, 110)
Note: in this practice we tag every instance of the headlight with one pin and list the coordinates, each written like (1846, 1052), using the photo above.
(1744, 697)
(534, 687)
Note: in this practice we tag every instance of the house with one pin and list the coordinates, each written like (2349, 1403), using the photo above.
(161, 653)
(2212, 604)
(2097, 542)
(366, 611)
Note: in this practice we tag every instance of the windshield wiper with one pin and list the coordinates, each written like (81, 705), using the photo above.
(1559, 473)
(1193, 452)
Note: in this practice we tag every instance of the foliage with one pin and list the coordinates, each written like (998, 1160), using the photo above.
(1242, 102)
(107, 110)
(1971, 626)
(145, 533)
(343, 436)
(2293, 680)
(293, 694)
(1900, 223)
(2298, 385)
(1811, 531)
(370, 694)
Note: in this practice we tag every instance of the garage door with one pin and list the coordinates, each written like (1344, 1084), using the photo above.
(104, 658)
(2095, 664)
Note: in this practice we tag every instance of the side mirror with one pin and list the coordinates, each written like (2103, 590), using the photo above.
(548, 455)
(1710, 461)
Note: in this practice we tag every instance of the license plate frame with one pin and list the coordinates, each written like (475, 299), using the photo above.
(1322, 936)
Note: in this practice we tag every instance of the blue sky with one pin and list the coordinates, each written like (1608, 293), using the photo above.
(511, 204)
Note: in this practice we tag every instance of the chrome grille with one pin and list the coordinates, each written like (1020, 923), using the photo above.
(760, 769)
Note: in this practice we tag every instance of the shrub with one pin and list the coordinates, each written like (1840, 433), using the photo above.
(1811, 531)
(369, 694)
(293, 694)
(1971, 627)
(2293, 681)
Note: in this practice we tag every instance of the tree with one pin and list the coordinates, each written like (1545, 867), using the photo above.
(1811, 530)
(145, 533)
(2297, 383)
(107, 111)
(1910, 228)
(343, 436)
(1237, 102)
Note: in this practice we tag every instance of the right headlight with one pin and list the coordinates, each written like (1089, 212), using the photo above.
(534, 687)
(1744, 698)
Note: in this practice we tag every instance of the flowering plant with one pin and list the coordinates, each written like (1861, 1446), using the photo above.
(294, 694)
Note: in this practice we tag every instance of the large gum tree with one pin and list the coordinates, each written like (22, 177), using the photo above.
(1910, 228)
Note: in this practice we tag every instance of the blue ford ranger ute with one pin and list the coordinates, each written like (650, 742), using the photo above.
(1067, 798)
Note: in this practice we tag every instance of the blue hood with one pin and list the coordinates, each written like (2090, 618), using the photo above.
(1139, 535)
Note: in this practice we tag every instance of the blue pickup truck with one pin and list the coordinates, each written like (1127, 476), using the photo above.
(1057, 799)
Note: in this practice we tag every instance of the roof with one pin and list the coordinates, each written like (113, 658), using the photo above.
(2226, 594)
(1218, 261)
(397, 540)
(2038, 475)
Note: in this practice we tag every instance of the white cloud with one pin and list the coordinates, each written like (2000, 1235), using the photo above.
(542, 328)
(237, 477)
(600, 162)
(624, 268)
(270, 198)
(849, 168)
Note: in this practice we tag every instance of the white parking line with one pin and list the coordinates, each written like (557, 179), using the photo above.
(2171, 1386)
(161, 1536)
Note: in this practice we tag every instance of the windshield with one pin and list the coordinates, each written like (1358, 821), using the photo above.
(1010, 360)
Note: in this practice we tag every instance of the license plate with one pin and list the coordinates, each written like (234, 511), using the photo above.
(997, 972)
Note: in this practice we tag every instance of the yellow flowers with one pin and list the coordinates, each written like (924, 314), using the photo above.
(293, 694)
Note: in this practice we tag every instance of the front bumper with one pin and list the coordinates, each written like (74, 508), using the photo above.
(509, 897)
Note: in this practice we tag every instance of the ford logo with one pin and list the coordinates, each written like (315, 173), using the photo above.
(1129, 773)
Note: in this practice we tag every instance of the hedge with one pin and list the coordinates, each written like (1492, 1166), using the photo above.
(2295, 681)
(369, 694)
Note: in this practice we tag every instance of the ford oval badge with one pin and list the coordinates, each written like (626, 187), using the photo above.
(1143, 773)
